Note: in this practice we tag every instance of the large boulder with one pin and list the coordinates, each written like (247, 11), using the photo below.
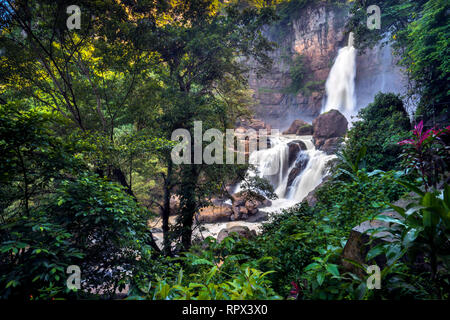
(362, 238)
(294, 149)
(214, 214)
(329, 128)
(242, 231)
(300, 128)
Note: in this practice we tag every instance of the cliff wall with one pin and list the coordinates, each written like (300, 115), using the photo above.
(317, 33)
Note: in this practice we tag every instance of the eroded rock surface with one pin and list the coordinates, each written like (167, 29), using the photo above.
(300, 128)
(329, 129)
(242, 231)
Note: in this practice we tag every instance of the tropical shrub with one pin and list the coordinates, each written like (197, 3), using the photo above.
(420, 248)
(427, 155)
(211, 273)
(379, 127)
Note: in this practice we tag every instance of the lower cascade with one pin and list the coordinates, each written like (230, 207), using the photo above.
(291, 182)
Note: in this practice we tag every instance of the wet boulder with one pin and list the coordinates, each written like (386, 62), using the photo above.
(214, 214)
(295, 147)
(329, 129)
(362, 238)
(244, 205)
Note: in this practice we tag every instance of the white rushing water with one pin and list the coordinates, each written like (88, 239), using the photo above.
(273, 165)
(311, 176)
(340, 85)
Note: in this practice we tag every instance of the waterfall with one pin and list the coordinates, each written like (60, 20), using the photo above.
(340, 85)
(273, 165)
(311, 176)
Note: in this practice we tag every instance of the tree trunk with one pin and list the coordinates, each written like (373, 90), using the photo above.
(119, 176)
(188, 203)
(166, 209)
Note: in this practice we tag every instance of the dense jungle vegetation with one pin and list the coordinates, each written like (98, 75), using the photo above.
(86, 118)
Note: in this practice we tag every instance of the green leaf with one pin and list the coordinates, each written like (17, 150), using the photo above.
(333, 269)
(211, 274)
(389, 219)
(411, 187)
(400, 210)
(202, 261)
(312, 266)
(320, 278)
(375, 252)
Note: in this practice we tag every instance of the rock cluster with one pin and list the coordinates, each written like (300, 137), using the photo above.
(300, 128)
(245, 206)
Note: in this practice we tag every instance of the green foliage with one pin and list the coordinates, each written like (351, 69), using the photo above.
(297, 73)
(247, 284)
(420, 248)
(35, 253)
(322, 279)
(297, 237)
(32, 155)
(380, 126)
(428, 52)
(211, 274)
(108, 227)
(87, 218)
(290, 240)
(53, 214)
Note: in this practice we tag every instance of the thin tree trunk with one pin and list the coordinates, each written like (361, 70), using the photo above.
(166, 209)
(189, 205)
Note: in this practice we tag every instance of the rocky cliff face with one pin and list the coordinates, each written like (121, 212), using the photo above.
(317, 35)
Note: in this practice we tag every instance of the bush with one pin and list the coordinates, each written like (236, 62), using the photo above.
(210, 272)
(88, 218)
(381, 125)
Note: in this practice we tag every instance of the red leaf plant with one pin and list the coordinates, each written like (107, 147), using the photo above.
(427, 154)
